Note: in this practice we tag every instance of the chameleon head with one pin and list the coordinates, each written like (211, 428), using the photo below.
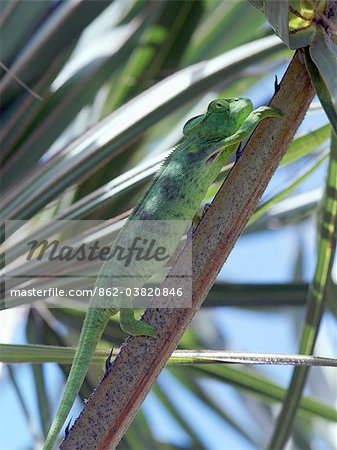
(225, 116)
(222, 119)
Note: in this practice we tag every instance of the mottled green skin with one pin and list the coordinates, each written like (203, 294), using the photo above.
(175, 194)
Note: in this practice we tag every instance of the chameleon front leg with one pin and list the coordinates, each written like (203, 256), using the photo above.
(250, 124)
(227, 145)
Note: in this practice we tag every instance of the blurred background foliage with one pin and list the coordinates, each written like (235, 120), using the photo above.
(93, 95)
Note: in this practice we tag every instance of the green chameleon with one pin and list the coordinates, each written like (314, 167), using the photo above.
(175, 194)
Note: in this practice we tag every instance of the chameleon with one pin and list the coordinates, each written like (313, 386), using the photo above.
(175, 193)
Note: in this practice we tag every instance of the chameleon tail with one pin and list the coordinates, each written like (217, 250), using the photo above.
(92, 330)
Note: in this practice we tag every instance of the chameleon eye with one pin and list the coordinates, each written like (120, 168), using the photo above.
(218, 105)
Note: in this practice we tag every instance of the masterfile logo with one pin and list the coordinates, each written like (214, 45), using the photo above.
(120, 266)
(140, 249)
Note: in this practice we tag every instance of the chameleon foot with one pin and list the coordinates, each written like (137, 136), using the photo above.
(199, 215)
(130, 325)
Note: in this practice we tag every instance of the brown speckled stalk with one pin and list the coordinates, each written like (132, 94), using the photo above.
(115, 402)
